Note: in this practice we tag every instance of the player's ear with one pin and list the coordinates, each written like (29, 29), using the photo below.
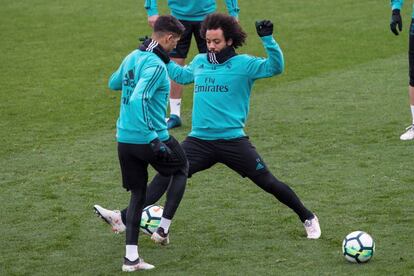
(170, 37)
(229, 42)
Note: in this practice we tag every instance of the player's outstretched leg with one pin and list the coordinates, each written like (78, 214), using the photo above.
(287, 196)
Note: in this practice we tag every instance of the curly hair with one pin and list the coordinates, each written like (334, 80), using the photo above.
(228, 24)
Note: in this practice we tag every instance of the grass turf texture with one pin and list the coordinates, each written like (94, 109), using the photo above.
(329, 127)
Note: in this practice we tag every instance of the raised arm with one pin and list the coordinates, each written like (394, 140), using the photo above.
(274, 64)
(396, 20)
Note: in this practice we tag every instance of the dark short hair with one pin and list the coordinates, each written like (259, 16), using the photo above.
(168, 24)
(228, 24)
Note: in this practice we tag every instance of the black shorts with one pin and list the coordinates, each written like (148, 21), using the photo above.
(183, 45)
(411, 53)
(237, 154)
(135, 158)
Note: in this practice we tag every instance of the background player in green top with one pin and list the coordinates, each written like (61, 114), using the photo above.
(190, 13)
(396, 26)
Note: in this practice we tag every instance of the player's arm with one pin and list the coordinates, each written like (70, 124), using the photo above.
(396, 20)
(274, 64)
(152, 11)
(233, 8)
(181, 74)
(115, 81)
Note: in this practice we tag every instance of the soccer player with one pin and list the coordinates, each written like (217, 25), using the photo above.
(190, 13)
(396, 25)
(223, 81)
(142, 134)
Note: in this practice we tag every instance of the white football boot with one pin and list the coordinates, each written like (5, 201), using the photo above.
(138, 264)
(160, 237)
(312, 228)
(408, 134)
(113, 218)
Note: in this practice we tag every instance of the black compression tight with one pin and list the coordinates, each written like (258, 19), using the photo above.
(158, 187)
(133, 216)
(283, 193)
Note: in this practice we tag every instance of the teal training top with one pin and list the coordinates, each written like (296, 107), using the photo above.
(222, 91)
(143, 79)
(192, 10)
(397, 4)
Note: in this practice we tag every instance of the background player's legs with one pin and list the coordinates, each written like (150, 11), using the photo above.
(409, 133)
(176, 94)
(283, 193)
(411, 95)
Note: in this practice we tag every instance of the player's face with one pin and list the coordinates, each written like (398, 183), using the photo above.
(216, 41)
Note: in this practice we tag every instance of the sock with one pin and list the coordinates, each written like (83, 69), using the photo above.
(165, 224)
(412, 112)
(175, 107)
(131, 252)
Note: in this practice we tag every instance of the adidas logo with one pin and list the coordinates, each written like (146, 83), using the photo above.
(259, 166)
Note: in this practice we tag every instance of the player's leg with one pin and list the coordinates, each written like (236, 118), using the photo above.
(177, 167)
(269, 183)
(176, 94)
(200, 156)
(409, 132)
(155, 190)
(178, 55)
(134, 179)
(174, 196)
(241, 156)
(282, 192)
(201, 42)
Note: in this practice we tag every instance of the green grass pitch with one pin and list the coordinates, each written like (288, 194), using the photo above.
(329, 127)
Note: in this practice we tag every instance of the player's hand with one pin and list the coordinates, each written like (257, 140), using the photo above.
(152, 19)
(161, 151)
(264, 28)
(143, 38)
(396, 21)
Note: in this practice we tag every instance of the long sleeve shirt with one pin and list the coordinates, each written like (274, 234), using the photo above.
(222, 91)
(143, 79)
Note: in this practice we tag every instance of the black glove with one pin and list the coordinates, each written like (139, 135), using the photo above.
(142, 39)
(264, 27)
(161, 151)
(396, 21)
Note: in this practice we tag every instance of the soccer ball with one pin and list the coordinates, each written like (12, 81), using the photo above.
(150, 219)
(358, 247)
